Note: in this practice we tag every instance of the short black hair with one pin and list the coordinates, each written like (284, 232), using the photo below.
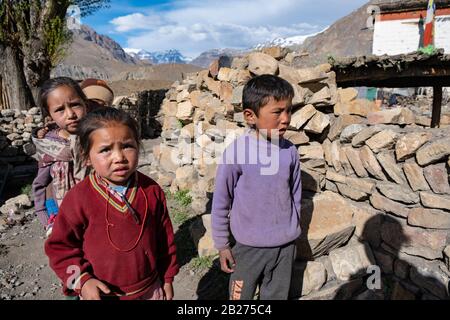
(102, 118)
(258, 91)
(54, 83)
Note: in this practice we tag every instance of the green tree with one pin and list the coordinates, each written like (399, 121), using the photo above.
(33, 35)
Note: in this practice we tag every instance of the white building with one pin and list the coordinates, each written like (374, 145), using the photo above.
(399, 26)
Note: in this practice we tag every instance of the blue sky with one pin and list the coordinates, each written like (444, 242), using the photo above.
(194, 26)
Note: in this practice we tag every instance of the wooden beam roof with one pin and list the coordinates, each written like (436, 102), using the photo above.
(402, 5)
(399, 71)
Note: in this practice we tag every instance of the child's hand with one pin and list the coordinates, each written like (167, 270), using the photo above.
(226, 261)
(168, 291)
(42, 132)
(91, 289)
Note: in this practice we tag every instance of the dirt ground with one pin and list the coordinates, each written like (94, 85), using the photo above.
(25, 273)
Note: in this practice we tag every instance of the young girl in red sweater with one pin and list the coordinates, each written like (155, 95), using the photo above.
(113, 237)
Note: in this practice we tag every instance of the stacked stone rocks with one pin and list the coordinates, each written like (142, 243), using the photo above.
(376, 194)
(143, 107)
(15, 134)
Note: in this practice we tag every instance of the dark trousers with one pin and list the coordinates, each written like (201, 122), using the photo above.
(270, 268)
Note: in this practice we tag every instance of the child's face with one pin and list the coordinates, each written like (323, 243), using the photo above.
(114, 153)
(273, 118)
(66, 108)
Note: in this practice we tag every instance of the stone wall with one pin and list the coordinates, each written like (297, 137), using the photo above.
(143, 107)
(15, 134)
(16, 126)
(375, 182)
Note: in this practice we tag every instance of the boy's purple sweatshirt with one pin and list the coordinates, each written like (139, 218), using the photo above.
(257, 193)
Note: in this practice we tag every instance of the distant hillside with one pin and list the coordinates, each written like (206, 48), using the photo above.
(346, 37)
(205, 58)
(93, 55)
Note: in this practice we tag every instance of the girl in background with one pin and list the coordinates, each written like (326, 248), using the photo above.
(64, 102)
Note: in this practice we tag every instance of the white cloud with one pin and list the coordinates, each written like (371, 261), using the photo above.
(136, 21)
(194, 26)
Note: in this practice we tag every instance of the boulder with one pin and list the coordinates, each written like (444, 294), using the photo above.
(318, 123)
(407, 145)
(345, 163)
(326, 222)
(289, 74)
(185, 111)
(309, 75)
(296, 137)
(433, 152)
(415, 176)
(351, 131)
(335, 155)
(431, 200)
(224, 74)
(360, 138)
(394, 171)
(384, 204)
(382, 140)
(428, 244)
(22, 201)
(236, 98)
(354, 158)
(307, 277)
(351, 193)
(360, 107)
(367, 223)
(276, 52)
(351, 261)
(340, 123)
(347, 94)
(185, 177)
(300, 117)
(393, 116)
(321, 98)
(396, 192)
(429, 218)
(371, 164)
(437, 177)
(226, 92)
(260, 63)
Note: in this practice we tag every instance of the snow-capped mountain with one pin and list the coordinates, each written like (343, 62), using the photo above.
(286, 42)
(160, 57)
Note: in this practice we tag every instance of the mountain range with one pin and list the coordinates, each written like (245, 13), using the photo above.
(160, 57)
(93, 55)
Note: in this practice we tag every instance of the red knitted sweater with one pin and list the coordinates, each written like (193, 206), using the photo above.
(94, 235)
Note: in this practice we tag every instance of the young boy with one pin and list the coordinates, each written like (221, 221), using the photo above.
(260, 207)
(98, 92)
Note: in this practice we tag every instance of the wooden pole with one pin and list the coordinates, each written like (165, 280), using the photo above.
(437, 103)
